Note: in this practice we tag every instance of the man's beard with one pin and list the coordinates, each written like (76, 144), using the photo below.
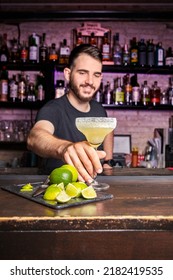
(76, 91)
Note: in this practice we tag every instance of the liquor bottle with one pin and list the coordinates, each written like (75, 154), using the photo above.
(117, 50)
(4, 84)
(59, 89)
(99, 94)
(126, 55)
(4, 51)
(27, 82)
(142, 53)
(128, 90)
(79, 39)
(37, 42)
(13, 89)
(136, 97)
(22, 87)
(33, 50)
(150, 53)
(40, 87)
(134, 52)
(53, 55)
(106, 55)
(134, 157)
(14, 57)
(93, 41)
(155, 94)
(43, 50)
(159, 55)
(64, 53)
(24, 53)
(164, 98)
(170, 91)
(145, 94)
(169, 57)
(31, 96)
(118, 92)
(108, 95)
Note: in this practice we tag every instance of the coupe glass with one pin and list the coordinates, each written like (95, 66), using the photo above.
(95, 129)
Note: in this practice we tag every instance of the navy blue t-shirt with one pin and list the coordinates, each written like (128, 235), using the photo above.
(62, 115)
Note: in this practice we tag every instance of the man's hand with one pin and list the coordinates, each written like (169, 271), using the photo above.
(85, 158)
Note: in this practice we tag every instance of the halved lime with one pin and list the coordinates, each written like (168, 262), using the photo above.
(63, 197)
(72, 191)
(89, 193)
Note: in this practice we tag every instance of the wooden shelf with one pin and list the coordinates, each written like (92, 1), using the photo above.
(139, 107)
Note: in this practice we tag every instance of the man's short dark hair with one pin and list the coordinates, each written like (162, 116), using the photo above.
(84, 49)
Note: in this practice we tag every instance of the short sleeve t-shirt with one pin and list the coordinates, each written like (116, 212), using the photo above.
(62, 115)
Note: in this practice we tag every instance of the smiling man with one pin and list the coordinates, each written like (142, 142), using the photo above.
(55, 136)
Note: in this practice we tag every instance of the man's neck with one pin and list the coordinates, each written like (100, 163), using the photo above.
(78, 104)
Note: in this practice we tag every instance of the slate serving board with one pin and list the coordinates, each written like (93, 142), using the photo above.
(15, 189)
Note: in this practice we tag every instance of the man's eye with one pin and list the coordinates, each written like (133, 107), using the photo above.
(82, 72)
(97, 75)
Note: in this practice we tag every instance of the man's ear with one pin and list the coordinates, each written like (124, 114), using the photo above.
(67, 72)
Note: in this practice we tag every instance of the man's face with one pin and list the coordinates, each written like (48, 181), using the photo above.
(85, 77)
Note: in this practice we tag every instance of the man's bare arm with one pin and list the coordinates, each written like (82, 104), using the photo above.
(87, 161)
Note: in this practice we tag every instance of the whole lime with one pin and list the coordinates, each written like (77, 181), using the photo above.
(60, 175)
(73, 171)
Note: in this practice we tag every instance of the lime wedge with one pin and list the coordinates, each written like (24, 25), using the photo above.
(52, 191)
(89, 193)
(72, 191)
(63, 197)
(80, 186)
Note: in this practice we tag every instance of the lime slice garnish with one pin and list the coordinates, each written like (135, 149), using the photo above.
(52, 191)
(89, 193)
(63, 197)
(72, 191)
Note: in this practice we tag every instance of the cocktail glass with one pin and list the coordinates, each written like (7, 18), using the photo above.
(95, 129)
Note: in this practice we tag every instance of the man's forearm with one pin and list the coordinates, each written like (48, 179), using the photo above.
(46, 145)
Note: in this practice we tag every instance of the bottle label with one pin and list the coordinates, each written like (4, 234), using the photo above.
(135, 94)
(41, 93)
(134, 56)
(33, 53)
(160, 57)
(117, 58)
(22, 88)
(4, 87)
(53, 56)
(106, 52)
(64, 51)
(169, 61)
(13, 90)
(119, 97)
(24, 55)
(155, 100)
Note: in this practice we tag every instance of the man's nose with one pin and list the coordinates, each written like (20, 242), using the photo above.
(89, 79)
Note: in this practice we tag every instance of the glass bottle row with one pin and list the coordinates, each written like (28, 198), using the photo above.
(127, 91)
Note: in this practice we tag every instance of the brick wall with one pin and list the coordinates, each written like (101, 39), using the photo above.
(140, 124)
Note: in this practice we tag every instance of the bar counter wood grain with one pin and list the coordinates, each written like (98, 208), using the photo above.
(137, 223)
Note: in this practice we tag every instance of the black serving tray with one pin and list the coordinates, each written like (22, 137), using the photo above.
(15, 189)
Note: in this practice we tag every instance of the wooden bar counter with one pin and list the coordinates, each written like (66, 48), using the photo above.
(137, 223)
